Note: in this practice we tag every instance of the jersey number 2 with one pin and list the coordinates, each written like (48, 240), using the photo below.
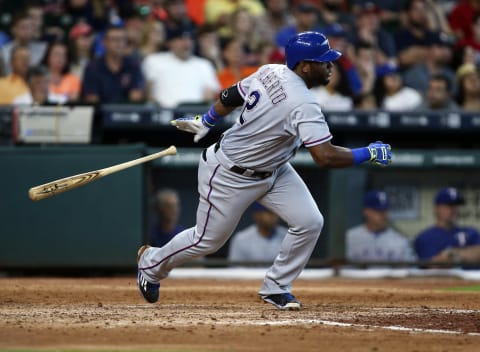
(251, 102)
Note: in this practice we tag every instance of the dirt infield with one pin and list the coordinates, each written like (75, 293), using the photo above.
(210, 315)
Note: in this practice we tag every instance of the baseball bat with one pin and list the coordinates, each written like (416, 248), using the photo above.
(67, 183)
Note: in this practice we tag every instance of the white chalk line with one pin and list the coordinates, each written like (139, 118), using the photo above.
(361, 326)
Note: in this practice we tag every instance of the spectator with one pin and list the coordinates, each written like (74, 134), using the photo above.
(337, 37)
(276, 17)
(390, 92)
(209, 46)
(365, 65)
(368, 30)
(306, 19)
(472, 43)
(439, 95)
(167, 210)
(375, 240)
(436, 17)
(461, 18)
(153, 39)
(235, 68)
(468, 79)
(112, 77)
(336, 95)
(446, 241)
(35, 12)
(64, 86)
(38, 83)
(99, 14)
(177, 19)
(169, 75)
(134, 27)
(22, 32)
(437, 60)
(414, 37)
(269, 53)
(217, 12)
(334, 11)
(389, 10)
(259, 242)
(15, 84)
(243, 27)
(80, 47)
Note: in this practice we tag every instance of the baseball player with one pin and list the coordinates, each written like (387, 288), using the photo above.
(251, 163)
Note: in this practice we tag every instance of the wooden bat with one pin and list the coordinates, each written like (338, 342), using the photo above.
(67, 183)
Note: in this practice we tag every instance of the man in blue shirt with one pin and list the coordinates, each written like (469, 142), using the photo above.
(113, 77)
(446, 241)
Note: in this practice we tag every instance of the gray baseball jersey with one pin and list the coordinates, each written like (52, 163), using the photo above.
(278, 115)
(249, 245)
(389, 245)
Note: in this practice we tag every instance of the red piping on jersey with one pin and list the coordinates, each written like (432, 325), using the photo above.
(241, 89)
(204, 228)
(318, 140)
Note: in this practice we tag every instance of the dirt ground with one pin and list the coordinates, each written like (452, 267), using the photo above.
(226, 315)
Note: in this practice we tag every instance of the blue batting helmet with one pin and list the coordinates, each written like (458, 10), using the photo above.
(309, 46)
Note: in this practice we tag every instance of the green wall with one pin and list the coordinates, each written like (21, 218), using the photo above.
(97, 225)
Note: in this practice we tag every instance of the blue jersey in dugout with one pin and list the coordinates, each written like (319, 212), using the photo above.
(433, 240)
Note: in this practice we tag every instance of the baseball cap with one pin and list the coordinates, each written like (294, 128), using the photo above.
(377, 200)
(80, 29)
(386, 69)
(449, 196)
(179, 32)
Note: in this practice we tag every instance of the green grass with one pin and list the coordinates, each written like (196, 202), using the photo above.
(474, 288)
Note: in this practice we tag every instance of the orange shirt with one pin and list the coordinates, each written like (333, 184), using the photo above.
(11, 87)
(227, 78)
(69, 84)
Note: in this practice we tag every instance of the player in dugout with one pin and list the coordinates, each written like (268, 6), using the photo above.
(446, 241)
(250, 162)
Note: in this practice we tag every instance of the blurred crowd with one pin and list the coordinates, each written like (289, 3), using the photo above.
(398, 55)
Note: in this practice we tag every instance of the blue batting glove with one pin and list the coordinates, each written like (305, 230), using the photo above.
(380, 153)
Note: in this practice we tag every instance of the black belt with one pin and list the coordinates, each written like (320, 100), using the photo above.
(237, 169)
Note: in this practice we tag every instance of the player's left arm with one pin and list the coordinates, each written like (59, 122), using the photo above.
(332, 156)
(229, 100)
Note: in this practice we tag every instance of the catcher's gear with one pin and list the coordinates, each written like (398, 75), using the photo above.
(380, 153)
(193, 125)
(309, 46)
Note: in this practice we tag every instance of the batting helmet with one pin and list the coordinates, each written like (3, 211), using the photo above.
(309, 46)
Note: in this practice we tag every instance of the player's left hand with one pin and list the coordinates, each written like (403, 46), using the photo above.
(193, 125)
(380, 153)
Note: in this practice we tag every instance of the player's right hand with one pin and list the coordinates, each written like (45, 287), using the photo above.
(193, 125)
(380, 153)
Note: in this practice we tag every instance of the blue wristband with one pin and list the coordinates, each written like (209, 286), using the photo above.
(211, 117)
(360, 155)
